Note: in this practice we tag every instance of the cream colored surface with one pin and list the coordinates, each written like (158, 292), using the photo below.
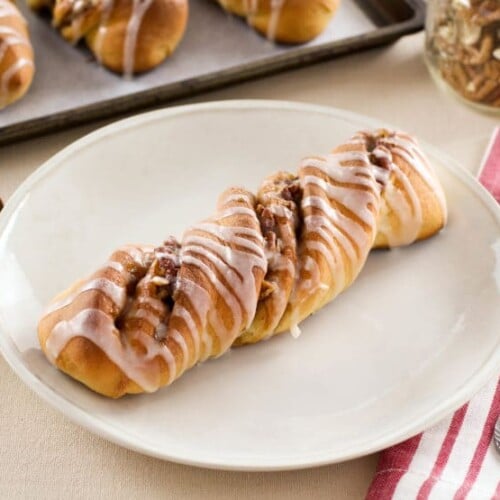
(43, 455)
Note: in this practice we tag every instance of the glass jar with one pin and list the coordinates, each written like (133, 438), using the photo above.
(463, 49)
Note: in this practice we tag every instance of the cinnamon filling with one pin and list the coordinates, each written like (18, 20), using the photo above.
(165, 269)
(268, 226)
(158, 282)
(287, 194)
(378, 154)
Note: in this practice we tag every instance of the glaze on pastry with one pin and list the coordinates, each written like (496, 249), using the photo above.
(285, 21)
(16, 54)
(259, 266)
(126, 36)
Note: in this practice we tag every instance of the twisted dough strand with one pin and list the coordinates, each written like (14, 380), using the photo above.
(256, 268)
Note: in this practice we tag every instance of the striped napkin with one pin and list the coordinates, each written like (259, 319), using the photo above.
(489, 174)
(456, 459)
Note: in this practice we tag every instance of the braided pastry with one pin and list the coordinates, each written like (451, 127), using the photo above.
(286, 21)
(126, 36)
(16, 54)
(256, 268)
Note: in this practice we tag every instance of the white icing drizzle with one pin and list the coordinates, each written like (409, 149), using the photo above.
(182, 312)
(132, 364)
(343, 227)
(7, 9)
(222, 289)
(409, 213)
(151, 317)
(231, 212)
(331, 256)
(240, 197)
(132, 29)
(310, 265)
(404, 202)
(100, 329)
(241, 236)
(201, 301)
(9, 37)
(340, 208)
(107, 8)
(139, 9)
(139, 254)
(350, 184)
(408, 149)
(179, 340)
(118, 266)
(234, 252)
(116, 293)
(10, 72)
(86, 321)
(276, 9)
(156, 319)
(252, 8)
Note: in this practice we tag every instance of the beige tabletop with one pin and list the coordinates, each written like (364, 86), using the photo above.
(44, 455)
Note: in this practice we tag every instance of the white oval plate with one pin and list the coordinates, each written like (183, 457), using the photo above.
(409, 342)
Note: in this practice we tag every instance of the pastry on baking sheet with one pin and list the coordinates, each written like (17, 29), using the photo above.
(16, 54)
(125, 36)
(285, 21)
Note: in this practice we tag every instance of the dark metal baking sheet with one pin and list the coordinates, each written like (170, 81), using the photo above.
(218, 49)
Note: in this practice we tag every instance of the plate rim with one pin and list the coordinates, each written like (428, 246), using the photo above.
(94, 424)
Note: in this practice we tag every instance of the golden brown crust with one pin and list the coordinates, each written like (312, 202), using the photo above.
(16, 55)
(278, 214)
(126, 36)
(297, 21)
(256, 268)
(433, 217)
(161, 31)
(82, 359)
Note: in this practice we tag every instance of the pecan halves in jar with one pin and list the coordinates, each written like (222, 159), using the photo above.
(465, 45)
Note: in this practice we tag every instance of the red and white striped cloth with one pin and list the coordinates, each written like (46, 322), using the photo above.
(489, 174)
(456, 459)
